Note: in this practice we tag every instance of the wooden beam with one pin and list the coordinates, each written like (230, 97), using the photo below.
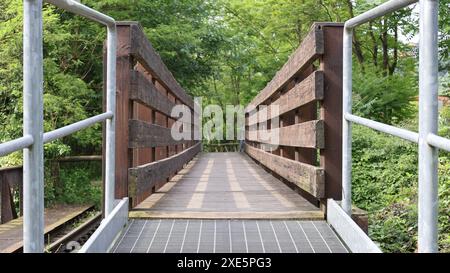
(309, 50)
(145, 92)
(307, 177)
(143, 178)
(303, 93)
(125, 64)
(254, 215)
(308, 134)
(331, 110)
(143, 51)
(8, 210)
(144, 135)
(80, 158)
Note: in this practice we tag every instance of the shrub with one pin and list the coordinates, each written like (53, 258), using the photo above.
(385, 175)
(81, 183)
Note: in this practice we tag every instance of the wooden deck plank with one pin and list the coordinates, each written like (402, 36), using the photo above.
(225, 186)
(304, 215)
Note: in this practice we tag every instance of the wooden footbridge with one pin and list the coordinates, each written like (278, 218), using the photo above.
(184, 200)
(166, 195)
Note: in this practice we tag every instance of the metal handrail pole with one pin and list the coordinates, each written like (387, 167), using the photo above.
(33, 156)
(384, 128)
(16, 145)
(428, 124)
(346, 125)
(75, 127)
(110, 123)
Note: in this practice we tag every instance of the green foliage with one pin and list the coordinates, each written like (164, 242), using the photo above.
(395, 227)
(385, 98)
(70, 77)
(184, 33)
(227, 51)
(383, 166)
(81, 183)
(384, 178)
(444, 121)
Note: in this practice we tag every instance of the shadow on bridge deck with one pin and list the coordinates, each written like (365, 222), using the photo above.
(225, 186)
(224, 202)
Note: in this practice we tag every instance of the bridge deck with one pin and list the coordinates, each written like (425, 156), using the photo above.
(224, 186)
(224, 202)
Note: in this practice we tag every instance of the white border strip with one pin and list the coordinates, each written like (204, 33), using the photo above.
(110, 227)
(352, 235)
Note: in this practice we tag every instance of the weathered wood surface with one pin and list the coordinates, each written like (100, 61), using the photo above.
(143, 51)
(308, 134)
(144, 178)
(331, 110)
(144, 135)
(123, 109)
(225, 186)
(258, 215)
(305, 91)
(10, 177)
(145, 92)
(307, 177)
(146, 95)
(309, 50)
(11, 233)
(309, 90)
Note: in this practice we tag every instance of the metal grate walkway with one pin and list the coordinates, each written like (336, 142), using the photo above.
(228, 236)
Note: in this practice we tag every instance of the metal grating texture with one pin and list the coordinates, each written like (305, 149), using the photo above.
(228, 236)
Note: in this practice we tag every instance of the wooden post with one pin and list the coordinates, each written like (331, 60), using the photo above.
(331, 109)
(8, 178)
(125, 64)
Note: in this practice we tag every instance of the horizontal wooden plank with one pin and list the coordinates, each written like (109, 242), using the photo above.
(308, 51)
(145, 92)
(141, 179)
(308, 134)
(144, 135)
(158, 214)
(307, 177)
(307, 91)
(144, 52)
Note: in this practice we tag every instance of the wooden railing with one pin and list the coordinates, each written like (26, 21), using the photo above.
(146, 154)
(222, 147)
(11, 184)
(308, 93)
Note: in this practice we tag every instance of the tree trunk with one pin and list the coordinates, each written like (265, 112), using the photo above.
(374, 45)
(384, 45)
(356, 43)
(395, 57)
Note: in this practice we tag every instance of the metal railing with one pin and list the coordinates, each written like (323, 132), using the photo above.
(427, 138)
(33, 138)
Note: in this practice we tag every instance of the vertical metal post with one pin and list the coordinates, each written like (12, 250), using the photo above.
(33, 157)
(346, 125)
(428, 115)
(110, 123)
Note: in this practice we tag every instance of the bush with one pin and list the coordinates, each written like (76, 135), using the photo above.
(385, 175)
(385, 98)
(80, 183)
